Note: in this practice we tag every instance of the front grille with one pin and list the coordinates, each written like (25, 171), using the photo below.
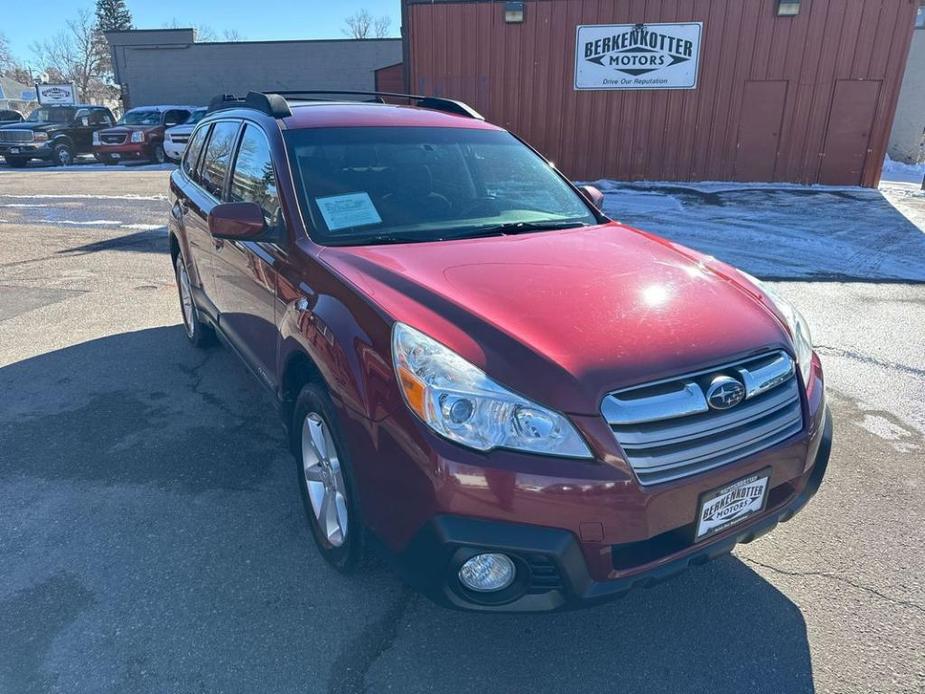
(113, 138)
(17, 136)
(179, 139)
(669, 431)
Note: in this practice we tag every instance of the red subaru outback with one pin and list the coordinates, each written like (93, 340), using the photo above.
(530, 405)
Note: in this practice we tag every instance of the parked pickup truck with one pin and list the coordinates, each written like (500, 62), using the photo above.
(532, 406)
(139, 134)
(53, 133)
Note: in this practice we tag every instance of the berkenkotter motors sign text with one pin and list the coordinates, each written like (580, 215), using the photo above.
(637, 56)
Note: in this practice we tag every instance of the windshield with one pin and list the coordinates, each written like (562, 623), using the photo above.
(141, 118)
(405, 184)
(195, 116)
(51, 115)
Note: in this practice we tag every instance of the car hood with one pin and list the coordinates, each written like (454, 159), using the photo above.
(180, 130)
(129, 128)
(40, 126)
(565, 317)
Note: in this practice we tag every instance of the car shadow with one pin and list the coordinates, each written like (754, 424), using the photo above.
(154, 540)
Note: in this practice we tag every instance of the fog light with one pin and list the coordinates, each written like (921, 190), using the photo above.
(486, 573)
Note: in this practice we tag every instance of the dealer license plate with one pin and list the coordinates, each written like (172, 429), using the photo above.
(732, 504)
(14, 150)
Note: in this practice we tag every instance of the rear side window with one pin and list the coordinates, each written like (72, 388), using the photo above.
(253, 179)
(191, 156)
(98, 117)
(217, 157)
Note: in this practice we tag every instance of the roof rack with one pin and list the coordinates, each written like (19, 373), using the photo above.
(271, 104)
(435, 103)
(276, 103)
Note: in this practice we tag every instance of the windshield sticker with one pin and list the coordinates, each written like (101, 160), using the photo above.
(351, 210)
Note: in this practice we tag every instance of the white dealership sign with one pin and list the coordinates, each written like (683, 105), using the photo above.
(49, 94)
(637, 56)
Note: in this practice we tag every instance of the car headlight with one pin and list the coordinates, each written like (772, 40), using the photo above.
(40, 137)
(138, 136)
(459, 401)
(796, 324)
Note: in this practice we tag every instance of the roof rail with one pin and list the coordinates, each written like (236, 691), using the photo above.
(272, 104)
(275, 104)
(435, 103)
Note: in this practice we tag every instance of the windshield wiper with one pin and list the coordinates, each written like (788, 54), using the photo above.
(512, 228)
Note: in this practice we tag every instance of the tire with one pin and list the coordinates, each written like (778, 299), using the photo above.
(315, 420)
(158, 156)
(63, 155)
(16, 162)
(197, 332)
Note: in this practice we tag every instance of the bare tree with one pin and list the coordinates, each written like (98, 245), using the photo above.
(74, 55)
(233, 35)
(381, 26)
(204, 33)
(358, 25)
(6, 55)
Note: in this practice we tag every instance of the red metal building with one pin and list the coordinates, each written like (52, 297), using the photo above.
(746, 90)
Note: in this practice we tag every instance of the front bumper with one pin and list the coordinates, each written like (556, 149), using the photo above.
(552, 565)
(174, 150)
(128, 150)
(32, 150)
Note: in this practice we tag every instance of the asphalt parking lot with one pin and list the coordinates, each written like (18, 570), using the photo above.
(152, 538)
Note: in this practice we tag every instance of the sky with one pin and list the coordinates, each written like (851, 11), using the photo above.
(264, 20)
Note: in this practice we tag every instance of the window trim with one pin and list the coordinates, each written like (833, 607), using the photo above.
(201, 159)
(195, 168)
(237, 150)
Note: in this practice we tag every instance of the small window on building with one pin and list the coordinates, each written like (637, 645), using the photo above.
(920, 18)
(218, 157)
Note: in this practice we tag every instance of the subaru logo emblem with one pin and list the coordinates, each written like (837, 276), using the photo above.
(725, 392)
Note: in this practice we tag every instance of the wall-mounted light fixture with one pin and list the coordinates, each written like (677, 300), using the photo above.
(788, 8)
(514, 12)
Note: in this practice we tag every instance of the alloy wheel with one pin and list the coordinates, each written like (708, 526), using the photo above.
(324, 479)
(186, 298)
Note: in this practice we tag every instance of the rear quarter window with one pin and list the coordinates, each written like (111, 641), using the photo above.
(191, 156)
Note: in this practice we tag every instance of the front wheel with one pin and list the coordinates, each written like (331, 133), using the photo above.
(158, 155)
(63, 155)
(326, 480)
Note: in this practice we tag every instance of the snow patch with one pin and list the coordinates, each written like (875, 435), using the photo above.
(782, 231)
(900, 172)
(81, 196)
(143, 227)
(92, 222)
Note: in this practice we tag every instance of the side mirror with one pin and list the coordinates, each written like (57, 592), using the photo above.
(594, 196)
(237, 221)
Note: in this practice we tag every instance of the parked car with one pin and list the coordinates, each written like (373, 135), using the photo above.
(10, 116)
(139, 134)
(53, 133)
(530, 405)
(175, 138)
